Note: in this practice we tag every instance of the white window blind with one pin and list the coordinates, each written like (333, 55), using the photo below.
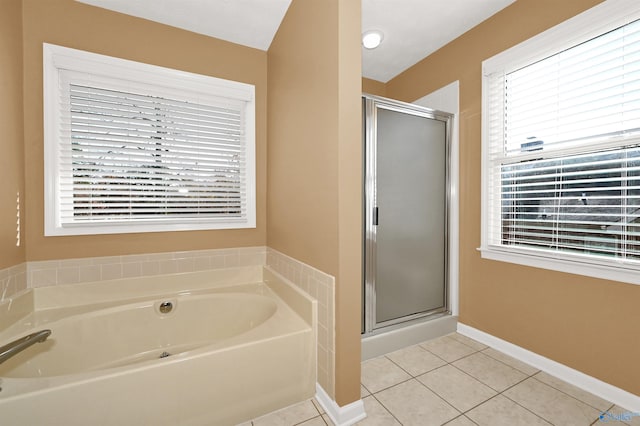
(562, 152)
(130, 156)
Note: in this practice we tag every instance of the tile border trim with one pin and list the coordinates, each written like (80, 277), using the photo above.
(604, 390)
(340, 416)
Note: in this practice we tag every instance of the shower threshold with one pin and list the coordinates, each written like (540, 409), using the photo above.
(399, 336)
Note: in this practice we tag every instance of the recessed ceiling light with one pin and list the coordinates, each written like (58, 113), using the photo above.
(372, 39)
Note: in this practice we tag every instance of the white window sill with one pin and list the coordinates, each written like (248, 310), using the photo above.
(621, 272)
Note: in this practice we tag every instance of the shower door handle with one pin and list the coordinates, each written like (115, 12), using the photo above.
(375, 216)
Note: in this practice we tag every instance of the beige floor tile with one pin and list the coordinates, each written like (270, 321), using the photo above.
(551, 404)
(413, 404)
(364, 392)
(460, 421)
(292, 415)
(318, 406)
(316, 421)
(448, 348)
(619, 414)
(510, 361)
(500, 411)
(489, 371)
(380, 373)
(582, 395)
(457, 388)
(416, 360)
(377, 415)
(468, 341)
(327, 420)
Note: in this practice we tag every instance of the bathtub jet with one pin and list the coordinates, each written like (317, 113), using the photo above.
(14, 348)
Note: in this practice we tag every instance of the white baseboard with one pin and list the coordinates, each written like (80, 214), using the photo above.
(604, 390)
(340, 416)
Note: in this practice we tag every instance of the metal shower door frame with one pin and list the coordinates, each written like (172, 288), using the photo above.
(371, 105)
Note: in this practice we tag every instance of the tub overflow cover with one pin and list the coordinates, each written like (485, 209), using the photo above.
(166, 307)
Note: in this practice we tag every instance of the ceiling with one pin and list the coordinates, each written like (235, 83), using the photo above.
(251, 23)
(412, 29)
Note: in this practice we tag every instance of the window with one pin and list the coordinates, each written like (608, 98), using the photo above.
(131, 147)
(561, 147)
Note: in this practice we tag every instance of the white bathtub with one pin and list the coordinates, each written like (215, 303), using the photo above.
(230, 349)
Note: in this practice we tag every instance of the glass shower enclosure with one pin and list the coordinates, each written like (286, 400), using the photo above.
(405, 213)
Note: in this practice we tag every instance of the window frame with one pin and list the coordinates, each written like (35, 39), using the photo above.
(57, 58)
(583, 27)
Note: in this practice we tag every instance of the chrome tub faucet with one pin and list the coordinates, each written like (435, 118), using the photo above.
(9, 350)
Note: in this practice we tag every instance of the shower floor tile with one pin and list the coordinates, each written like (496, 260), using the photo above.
(456, 381)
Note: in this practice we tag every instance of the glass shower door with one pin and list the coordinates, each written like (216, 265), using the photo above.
(406, 256)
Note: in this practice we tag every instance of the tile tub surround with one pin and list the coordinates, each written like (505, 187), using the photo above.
(73, 271)
(321, 287)
(17, 279)
(13, 281)
(15, 307)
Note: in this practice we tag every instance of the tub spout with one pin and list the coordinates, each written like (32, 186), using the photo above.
(19, 345)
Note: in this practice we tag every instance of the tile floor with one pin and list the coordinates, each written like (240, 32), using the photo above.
(456, 381)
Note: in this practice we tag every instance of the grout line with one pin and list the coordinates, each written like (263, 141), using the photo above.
(522, 406)
(439, 357)
(474, 378)
(571, 396)
(396, 384)
(311, 418)
(455, 360)
(438, 395)
(517, 403)
(387, 410)
(315, 406)
(400, 367)
(462, 415)
(512, 386)
(460, 341)
(504, 363)
(477, 380)
(510, 366)
(325, 420)
(607, 411)
(370, 393)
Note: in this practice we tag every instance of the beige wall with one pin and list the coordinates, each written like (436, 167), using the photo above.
(314, 159)
(76, 25)
(373, 87)
(587, 324)
(12, 157)
(350, 183)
